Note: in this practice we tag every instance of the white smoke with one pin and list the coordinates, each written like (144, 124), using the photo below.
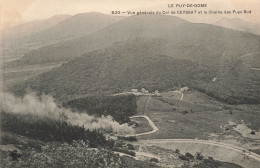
(45, 106)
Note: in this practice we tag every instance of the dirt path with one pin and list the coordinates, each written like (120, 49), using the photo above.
(176, 91)
(151, 124)
(255, 68)
(207, 142)
(193, 141)
(155, 129)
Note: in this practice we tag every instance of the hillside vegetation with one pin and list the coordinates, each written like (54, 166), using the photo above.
(49, 130)
(252, 60)
(78, 154)
(119, 107)
(135, 64)
(113, 70)
(235, 84)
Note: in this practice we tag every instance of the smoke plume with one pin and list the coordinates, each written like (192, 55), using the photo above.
(45, 106)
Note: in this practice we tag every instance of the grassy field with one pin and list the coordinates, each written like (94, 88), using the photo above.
(170, 158)
(142, 125)
(199, 116)
(202, 117)
(15, 74)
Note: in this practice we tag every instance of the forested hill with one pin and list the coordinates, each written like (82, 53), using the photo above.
(155, 52)
(135, 64)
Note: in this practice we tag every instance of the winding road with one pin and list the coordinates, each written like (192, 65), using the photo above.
(151, 124)
(176, 91)
(255, 68)
(207, 142)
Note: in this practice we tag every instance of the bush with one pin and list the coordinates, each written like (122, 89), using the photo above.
(130, 147)
(66, 155)
(211, 163)
(185, 112)
(154, 160)
(110, 143)
(119, 144)
(189, 155)
(130, 138)
(182, 157)
(123, 150)
(199, 156)
(127, 161)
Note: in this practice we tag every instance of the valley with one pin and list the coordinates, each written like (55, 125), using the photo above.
(140, 91)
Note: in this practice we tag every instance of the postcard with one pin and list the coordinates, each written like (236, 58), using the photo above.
(133, 83)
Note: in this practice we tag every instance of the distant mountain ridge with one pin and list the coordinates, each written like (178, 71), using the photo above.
(65, 27)
(76, 26)
(153, 51)
(42, 33)
(202, 38)
(239, 24)
(34, 26)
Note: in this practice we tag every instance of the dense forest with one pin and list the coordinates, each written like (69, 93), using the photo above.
(48, 130)
(117, 69)
(119, 107)
(235, 83)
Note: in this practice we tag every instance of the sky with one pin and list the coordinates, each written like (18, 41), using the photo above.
(13, 12)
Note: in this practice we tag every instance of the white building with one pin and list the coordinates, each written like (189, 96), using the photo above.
(157, 93)
(184, 89)
(135, 90)
(143, 90)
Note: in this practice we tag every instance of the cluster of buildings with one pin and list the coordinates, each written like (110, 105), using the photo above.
(145, 92)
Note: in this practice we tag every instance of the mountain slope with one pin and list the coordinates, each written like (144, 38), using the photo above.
(239, 24)
(136, 63)
(122, 30)
(72, 27)
(156, 52)
(34, 26)
(114, 69)
(210, 42)
(76, 26)
(251, 59)
(60, 27)
(15, 41)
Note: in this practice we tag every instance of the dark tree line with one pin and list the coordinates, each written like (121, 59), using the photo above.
(49, 130)
(119, 107)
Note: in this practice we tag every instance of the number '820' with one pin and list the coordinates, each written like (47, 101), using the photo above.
(115, 12)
